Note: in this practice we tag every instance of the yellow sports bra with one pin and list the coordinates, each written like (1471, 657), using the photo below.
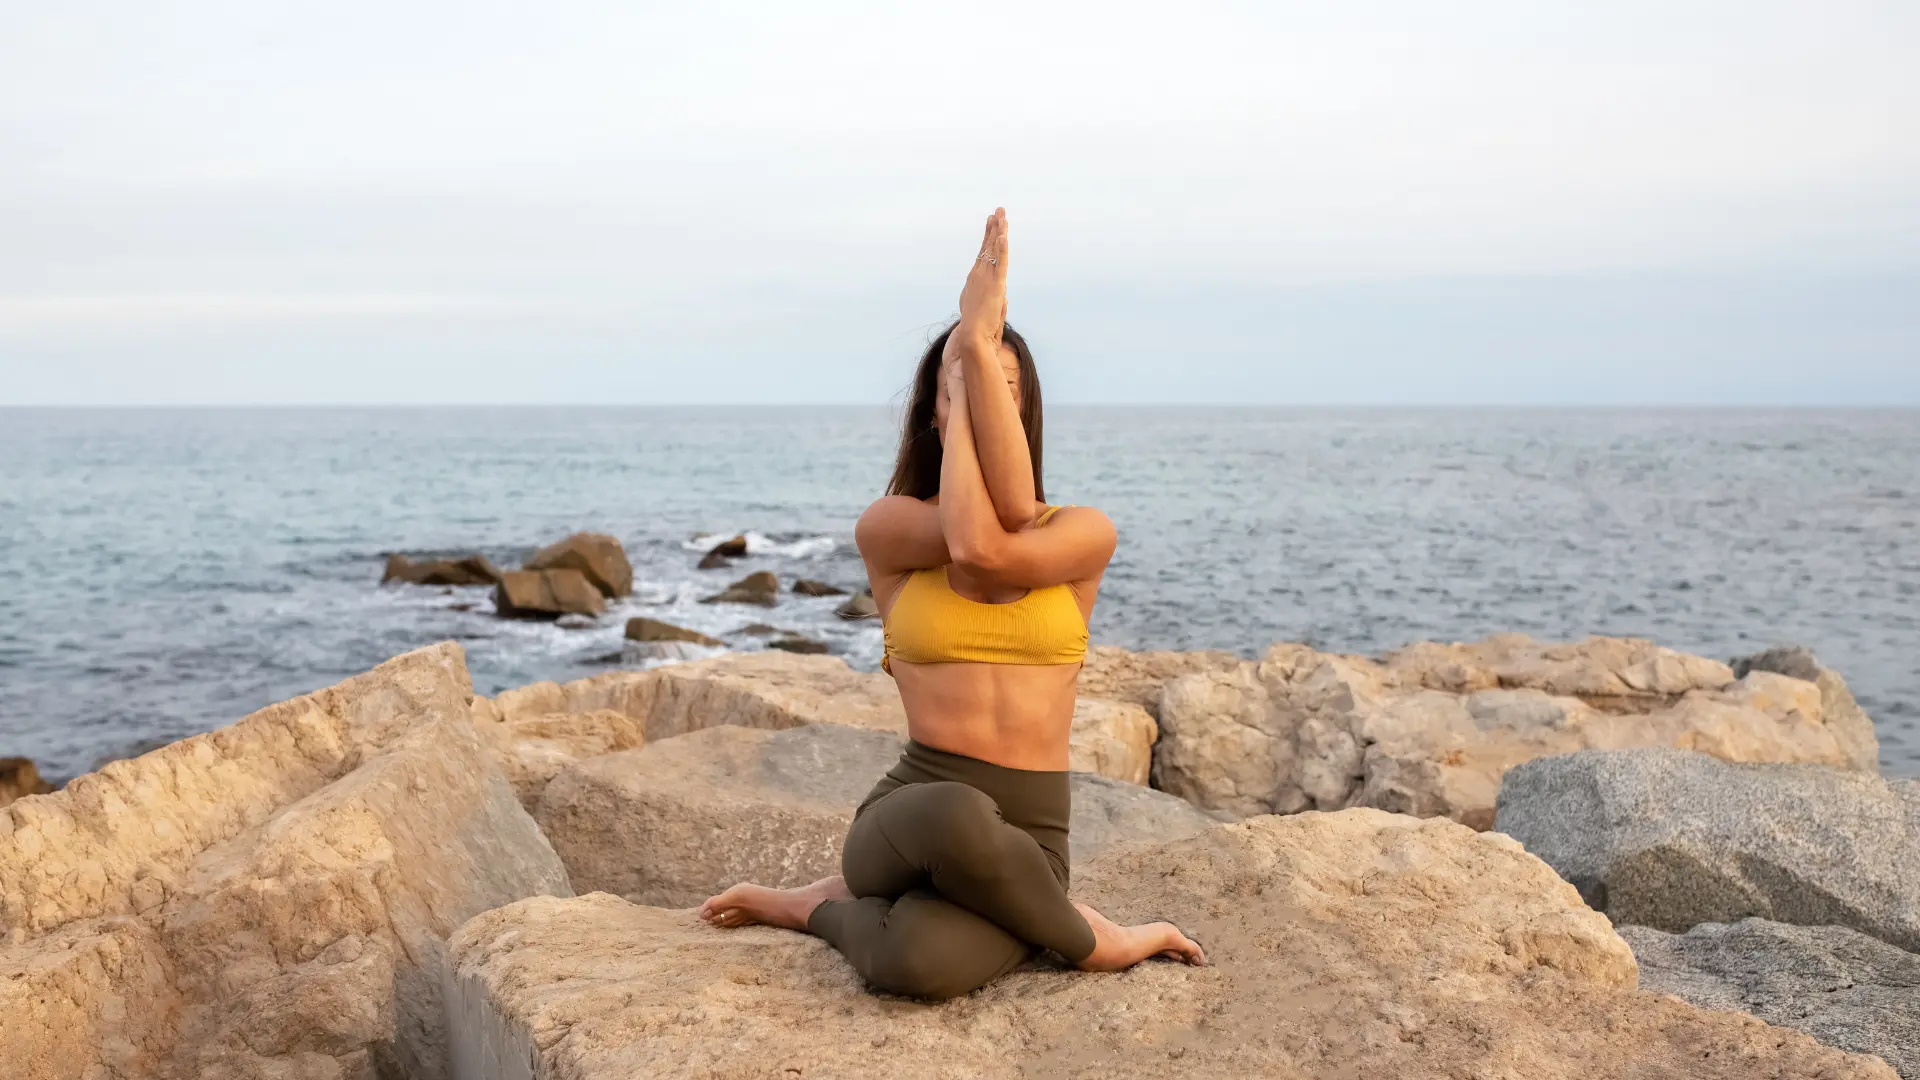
(932, 624)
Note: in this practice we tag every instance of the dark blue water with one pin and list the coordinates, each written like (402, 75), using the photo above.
(167, 571)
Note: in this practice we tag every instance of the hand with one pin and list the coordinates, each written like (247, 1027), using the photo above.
(983, 300)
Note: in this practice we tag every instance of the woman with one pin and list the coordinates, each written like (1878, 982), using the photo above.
(955, 869)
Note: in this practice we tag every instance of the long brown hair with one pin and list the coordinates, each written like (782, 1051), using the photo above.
(916, 470)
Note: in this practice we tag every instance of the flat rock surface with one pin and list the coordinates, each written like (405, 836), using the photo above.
(1671, 838)
(1841, 987)
(1357, 944)
(1431, 729)
(686, 817)
(532, 750)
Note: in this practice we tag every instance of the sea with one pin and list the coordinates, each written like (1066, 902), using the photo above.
(166, 571)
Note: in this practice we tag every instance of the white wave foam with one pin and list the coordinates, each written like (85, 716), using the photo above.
(807, 547)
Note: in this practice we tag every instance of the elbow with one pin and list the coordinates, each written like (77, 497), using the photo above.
(978, 555)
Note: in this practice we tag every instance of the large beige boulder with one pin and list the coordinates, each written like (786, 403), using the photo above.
(1350, 944)
(597, 556)
(781, 690)
(266, 900)
(1140, 677)
(683, 818)
(532, 750)
(1431, 730)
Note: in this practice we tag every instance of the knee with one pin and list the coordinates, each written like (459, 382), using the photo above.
(922, 971)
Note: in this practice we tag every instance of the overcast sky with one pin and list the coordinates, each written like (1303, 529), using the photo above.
(1535, 201)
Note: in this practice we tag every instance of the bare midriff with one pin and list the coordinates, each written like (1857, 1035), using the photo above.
(1017, 716)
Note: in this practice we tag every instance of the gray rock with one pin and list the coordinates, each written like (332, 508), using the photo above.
(1672, 838)
(1843, 988)
(1793, 661)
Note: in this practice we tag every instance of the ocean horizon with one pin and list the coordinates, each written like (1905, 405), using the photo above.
(167, 569)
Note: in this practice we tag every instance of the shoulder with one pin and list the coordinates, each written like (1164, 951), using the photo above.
(887, 507)
(1074, 512)
(889, 514)
(1084, 521)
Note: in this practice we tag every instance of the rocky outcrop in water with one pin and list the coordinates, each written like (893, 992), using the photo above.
(1348, 944)
(597, 556)
(723, 553)
(794, 643)
(546, 594)
(1843, 988)
(859, 606)
(472, 570)
(1431, 729)
(809, 587)
(653, 630)
(760, 587)
(266, 900)
(1671, 838)
(684, 818)
(20, 777)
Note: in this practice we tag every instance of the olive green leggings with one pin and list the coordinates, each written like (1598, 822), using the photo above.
(959, 869)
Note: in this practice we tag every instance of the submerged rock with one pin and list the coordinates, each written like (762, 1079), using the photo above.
(1431, 730)
(681, 819)
(1349, 944)
(546, 594)
(808, 587)
(729, 549)
(20, 777)
(269, 899)
(472, 570)
(645, 629)
(1841, 987)
(597, 556)
(1671, 838)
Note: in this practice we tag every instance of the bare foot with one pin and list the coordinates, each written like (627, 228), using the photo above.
(745, 905)
(1116, 947)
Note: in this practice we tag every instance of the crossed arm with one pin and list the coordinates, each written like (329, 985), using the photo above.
(984, 518)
